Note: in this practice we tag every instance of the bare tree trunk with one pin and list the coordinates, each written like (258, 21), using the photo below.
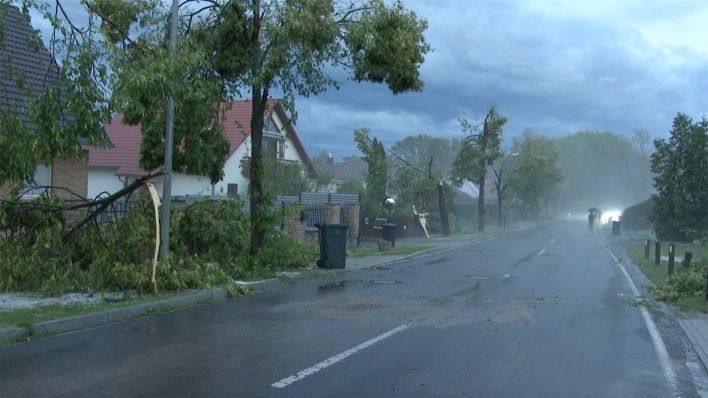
(255, 188)
(480, 201)
(444, 222)
(498, 185)
(499, 209)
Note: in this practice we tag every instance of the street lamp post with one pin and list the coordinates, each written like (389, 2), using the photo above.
(169, 129)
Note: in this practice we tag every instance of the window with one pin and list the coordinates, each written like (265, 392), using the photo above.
(270, 148)
(269, 126)
(42, 178)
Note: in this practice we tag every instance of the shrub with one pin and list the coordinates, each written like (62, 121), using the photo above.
(685, 282)
(278, 252)
(212, 231)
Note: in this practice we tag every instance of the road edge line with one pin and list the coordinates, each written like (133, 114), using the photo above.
(656, 339)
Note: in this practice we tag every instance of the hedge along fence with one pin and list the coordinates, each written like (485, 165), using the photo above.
(209, 247)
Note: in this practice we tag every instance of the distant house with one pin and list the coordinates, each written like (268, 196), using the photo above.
(27, 71)
(350, 169)
(111, 169)
(469, 190)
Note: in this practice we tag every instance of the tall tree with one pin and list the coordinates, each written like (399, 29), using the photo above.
(534, 172)
(502, 169)
(641, 139)
(260, 47)
(418, 164)
(417, 151)
(377, 176)
(479, 149)
(681, 181)
(601, 169)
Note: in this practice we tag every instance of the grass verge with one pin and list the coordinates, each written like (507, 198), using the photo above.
(687, 299)
(25, 317)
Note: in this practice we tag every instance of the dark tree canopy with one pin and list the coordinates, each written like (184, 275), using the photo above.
(681, 167)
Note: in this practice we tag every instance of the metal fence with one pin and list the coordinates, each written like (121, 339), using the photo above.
(315, 214)
(115, 212)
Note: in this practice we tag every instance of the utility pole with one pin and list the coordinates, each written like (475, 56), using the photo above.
(169, 129)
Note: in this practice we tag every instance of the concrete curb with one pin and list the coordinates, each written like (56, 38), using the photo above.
(12, 333)
(86, 321)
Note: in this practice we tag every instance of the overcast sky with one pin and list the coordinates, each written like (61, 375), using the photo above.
(557, 66)
(554, 66)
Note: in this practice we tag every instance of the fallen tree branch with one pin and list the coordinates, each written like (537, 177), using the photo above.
(103, 204)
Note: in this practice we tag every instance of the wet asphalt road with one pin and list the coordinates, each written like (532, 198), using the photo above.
(541, 312)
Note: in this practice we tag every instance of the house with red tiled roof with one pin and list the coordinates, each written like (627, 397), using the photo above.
(111, 169)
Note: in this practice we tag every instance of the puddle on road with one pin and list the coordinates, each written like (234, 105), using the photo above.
(331, 287)
(338, 286)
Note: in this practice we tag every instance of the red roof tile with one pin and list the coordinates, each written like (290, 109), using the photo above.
(125, 154)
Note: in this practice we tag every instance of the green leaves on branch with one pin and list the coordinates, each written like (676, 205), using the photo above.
(387, 45)
(681, 181)
(144, 76)
(66, 108)
(377, 176)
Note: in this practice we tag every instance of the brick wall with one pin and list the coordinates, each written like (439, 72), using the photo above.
(71, 174)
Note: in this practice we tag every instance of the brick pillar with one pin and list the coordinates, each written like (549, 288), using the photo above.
(332, 215)
(296, 225)
(352, 212)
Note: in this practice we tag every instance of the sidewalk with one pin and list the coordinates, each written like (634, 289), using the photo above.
(696, 328)
(89, 320)
(439, 243)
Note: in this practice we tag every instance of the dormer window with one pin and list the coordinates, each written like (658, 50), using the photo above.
(269, 126)
(273, 140)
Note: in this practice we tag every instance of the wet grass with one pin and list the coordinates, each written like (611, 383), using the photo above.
(658, 274)
(25, 317)
(394, 251)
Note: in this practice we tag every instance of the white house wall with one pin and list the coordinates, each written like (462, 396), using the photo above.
(186, 184)
(103, 179)
(232, 171)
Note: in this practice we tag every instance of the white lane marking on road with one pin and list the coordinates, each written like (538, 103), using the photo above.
(659, 346)
(541, 252)
(332, 360)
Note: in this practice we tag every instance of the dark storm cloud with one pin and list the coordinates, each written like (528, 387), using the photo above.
(554, 72)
